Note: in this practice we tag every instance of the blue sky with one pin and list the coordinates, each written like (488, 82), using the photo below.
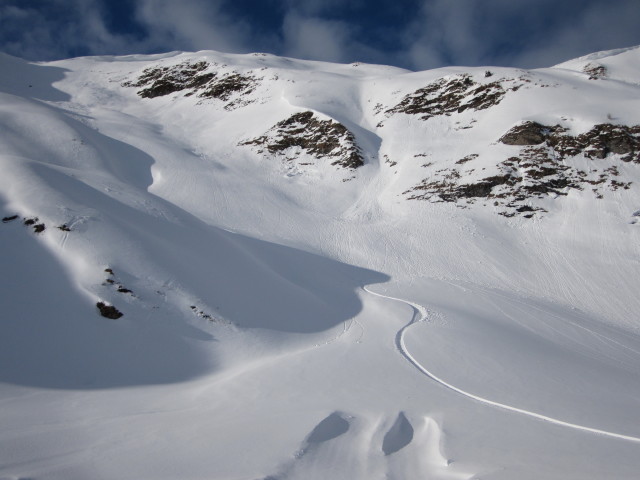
(414, 34)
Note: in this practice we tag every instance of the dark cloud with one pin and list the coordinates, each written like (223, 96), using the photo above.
(61, 28)
(43, 30)
(416, 34)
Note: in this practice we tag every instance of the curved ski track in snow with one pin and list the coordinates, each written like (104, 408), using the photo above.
(402, 348)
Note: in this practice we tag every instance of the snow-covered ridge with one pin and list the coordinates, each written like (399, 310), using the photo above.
(620, 64)
(463, 97)
(189, 240)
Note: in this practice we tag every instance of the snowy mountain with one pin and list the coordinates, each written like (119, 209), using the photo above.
(252, 267)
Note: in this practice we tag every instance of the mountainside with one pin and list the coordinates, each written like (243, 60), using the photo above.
(254, 267)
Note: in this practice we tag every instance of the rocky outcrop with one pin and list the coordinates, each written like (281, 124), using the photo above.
(455, 94)
(538, 171)
(193, 78)
(109, 311)
(34, 222)
(226, 86)
(595, 71)
(602, 140)
(527, 133)
(305, 133)
(161, 81)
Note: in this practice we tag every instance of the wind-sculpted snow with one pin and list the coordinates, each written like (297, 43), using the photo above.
(121, 239)
(21, 78)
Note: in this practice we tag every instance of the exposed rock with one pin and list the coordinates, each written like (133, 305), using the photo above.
(304, 132)
(607, 138)
(449, 190)
(598, 142)
(537, 172)
(226, 86)
(455, 94)
(595, 71)
(193, 78)
(201, 313)
(391, 163)
(33, 222)
(466, 159)
(109, 311)
(9, 219)
(160, 81)
(528, 133)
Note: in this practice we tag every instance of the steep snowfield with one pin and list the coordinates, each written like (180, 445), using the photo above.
(464, 304)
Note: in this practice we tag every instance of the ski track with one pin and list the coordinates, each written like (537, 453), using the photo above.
(402, 348)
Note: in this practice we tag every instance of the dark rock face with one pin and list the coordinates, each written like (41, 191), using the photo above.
(528, 133)
(192, 78)
(449, 95)
(109, 311)
(598, 142)
(602, 140)
(160, 81)
(226, 86)
(320, 138)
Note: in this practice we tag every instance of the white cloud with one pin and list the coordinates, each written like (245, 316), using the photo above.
(71, 27)
(314, 38)
(460, 32)
(23, 31)
(42, 34)
(192, 25)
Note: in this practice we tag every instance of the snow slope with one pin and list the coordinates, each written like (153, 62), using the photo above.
(323, 271)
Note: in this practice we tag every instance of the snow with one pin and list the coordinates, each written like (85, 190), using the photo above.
(309, 321)
(621, 64)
